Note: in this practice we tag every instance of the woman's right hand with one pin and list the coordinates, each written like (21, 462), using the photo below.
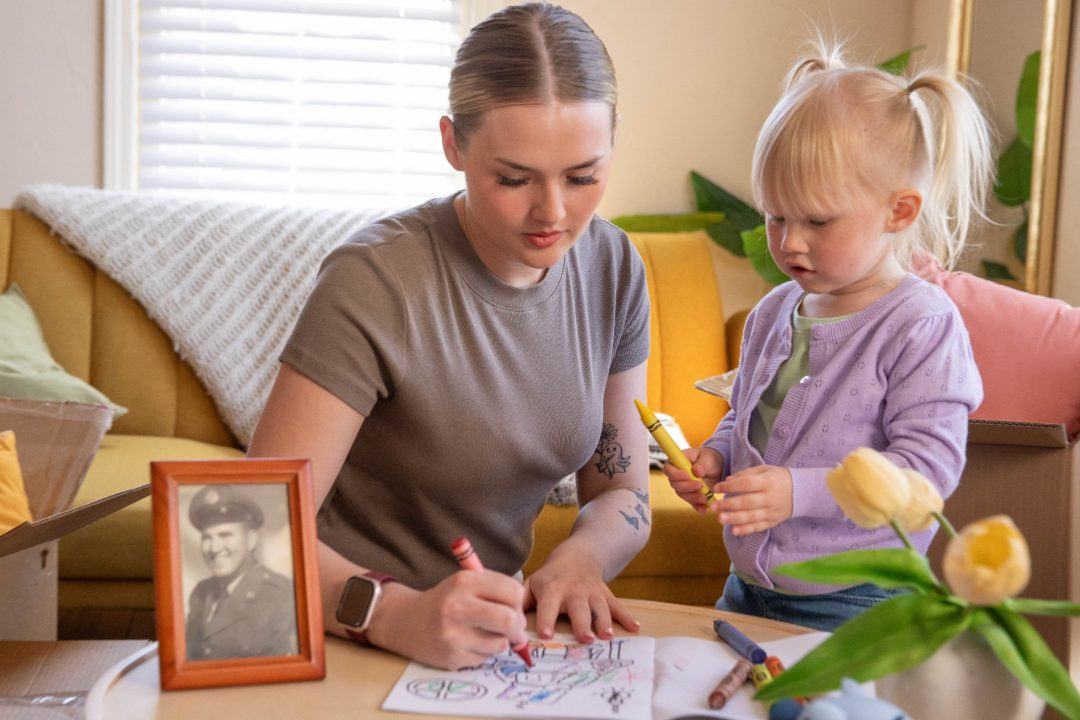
(707, 464)
(461, 622)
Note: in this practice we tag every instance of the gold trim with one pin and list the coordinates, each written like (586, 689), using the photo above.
(1046, 150)
(959, 37)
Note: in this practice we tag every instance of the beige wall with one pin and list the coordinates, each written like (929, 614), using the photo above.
(50, 56)
(697, 77)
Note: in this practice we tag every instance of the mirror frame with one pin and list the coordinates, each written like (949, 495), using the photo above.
(1049, 122)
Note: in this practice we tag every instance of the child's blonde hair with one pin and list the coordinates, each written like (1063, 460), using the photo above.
(842, 132)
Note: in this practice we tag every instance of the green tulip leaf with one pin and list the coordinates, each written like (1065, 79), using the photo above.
(713, 198)
(885, 568)
(1027, 98)
(681, 222)
(1013, 184)
(892, 636)
(1023, 652)
(996, 271)
(755, 246)
(726, 235)
(1031, 606)
(898, 64)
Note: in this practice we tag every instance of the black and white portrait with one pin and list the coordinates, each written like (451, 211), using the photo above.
(237, 571)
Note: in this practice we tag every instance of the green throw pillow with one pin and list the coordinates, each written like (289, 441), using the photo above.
(27, 368)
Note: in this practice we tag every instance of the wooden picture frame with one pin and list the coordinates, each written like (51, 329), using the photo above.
(235, 562)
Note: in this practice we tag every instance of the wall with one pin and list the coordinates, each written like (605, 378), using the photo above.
(50, 54)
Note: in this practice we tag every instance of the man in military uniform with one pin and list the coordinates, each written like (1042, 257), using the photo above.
(244, 609)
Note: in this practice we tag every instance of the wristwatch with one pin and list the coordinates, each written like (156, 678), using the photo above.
(358, 601)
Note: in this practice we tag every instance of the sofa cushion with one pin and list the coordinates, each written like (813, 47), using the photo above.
(14, 507)
(121, 545)
(1027, 349)
(27, 369)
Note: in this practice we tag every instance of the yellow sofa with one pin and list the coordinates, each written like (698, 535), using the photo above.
(97, 332)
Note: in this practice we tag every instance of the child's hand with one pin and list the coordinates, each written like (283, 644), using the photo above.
(707, 465)
(760, 499)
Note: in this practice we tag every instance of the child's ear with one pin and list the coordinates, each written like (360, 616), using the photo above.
(450, 144)
(904, 208)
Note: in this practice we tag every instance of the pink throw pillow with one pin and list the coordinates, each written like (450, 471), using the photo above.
(1027, 348)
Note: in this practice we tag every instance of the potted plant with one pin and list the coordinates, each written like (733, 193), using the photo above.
(986, 566)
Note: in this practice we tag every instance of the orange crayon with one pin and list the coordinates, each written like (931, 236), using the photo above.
(468, 560)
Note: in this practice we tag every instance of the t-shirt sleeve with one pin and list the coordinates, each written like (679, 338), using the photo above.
(350, 338)
(632, 345)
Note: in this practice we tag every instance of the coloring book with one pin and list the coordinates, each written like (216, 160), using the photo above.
(628, 678)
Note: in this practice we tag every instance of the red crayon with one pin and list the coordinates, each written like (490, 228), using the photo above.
(469, 560)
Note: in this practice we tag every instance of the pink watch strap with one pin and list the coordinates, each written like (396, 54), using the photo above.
(360, 636)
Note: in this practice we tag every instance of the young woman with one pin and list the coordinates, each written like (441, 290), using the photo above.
(456, 359)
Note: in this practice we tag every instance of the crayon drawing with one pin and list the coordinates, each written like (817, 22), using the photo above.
(610, 679)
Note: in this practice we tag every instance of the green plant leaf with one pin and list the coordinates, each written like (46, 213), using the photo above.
(1013, 184)
(755, 245)
(1023, 652)
(1027, 97)
(680, 222)
(1032, 606)
(711, 197)
(893, 568)
(898, 64)
(726, 235)
(1020, 240)
(895, 635)
(996, 271)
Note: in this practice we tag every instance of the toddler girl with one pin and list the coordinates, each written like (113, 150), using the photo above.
(857, 172)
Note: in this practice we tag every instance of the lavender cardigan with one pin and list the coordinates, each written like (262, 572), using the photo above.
(898, 376)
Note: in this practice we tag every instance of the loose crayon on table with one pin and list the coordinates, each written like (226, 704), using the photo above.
(468, 560)
(729, 684)
(674, 452)
(739, 642)
(760, 676)
(776, 666)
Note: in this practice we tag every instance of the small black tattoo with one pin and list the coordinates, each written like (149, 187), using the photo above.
(631, 520)
(611, 459)
(641, 511)
(643, 496)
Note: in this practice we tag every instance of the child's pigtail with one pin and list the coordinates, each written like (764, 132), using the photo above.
(959, 142)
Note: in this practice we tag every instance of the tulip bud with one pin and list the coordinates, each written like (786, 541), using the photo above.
(869, 488)
(988, 561)
(925, 501)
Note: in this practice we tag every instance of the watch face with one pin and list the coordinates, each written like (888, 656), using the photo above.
(357, 602)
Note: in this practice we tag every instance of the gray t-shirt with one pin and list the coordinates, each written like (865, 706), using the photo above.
(478, 396)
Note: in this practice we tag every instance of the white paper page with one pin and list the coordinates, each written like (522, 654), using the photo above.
(688, 669)
(568, 680)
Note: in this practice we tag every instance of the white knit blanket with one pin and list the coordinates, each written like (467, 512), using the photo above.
(225, 281)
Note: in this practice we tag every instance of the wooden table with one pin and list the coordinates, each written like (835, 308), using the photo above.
(357, 678)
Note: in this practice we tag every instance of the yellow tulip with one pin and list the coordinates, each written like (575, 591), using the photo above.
(988, 561)
(869, 488)
(925, 501)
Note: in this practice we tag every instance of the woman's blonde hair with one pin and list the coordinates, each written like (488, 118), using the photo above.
(840, 132)
(525, 54)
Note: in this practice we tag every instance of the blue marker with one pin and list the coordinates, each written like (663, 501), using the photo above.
(739, 642)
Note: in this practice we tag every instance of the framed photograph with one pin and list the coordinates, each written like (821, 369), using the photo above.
(236, 576)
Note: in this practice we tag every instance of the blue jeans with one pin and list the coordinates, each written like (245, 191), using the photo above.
(822, 612)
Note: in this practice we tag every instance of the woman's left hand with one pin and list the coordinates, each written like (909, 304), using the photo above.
(573, 586)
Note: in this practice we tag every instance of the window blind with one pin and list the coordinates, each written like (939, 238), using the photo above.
(311, 102)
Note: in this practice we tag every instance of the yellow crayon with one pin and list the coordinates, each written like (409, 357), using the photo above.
(760, 676)
(674, 452)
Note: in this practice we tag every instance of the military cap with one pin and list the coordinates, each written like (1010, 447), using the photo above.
(216, 504)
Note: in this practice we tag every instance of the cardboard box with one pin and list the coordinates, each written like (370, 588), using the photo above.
(56, 443)
(1030, 472)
